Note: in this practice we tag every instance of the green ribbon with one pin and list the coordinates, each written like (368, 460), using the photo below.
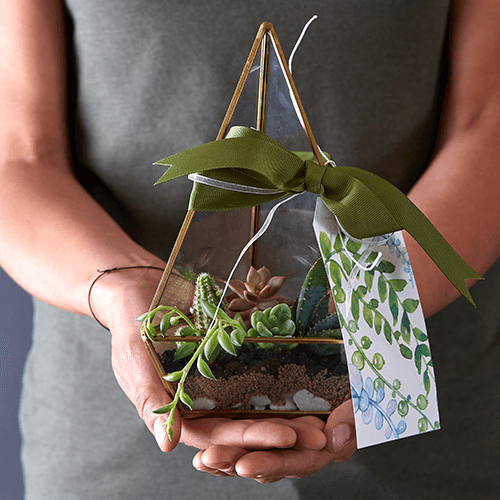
(365, 204)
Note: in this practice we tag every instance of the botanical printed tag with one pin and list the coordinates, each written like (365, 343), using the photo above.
(390, 365)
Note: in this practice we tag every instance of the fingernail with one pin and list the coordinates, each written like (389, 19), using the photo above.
(340, 436)
(159, 431)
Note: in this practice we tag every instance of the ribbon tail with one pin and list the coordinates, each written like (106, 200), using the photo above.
(388, 210)
(439, 250)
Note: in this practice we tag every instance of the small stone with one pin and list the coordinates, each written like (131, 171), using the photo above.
(306, 401)
(203, 404)
(288, 406)
(260, 402)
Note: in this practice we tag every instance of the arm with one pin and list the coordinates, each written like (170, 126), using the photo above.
(55, 236)
(459, 190)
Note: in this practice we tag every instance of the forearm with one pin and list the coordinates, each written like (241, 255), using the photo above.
(459, 194)
(459, 190)
(55, 236)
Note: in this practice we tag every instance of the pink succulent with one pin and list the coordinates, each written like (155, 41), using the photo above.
(258, 292)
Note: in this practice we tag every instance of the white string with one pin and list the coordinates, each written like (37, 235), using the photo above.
(297, 43)
(231, 186)
(259, 233)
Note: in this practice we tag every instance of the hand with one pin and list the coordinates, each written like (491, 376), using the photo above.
(299, 460)
(122, 296)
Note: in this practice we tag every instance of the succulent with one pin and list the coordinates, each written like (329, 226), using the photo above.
(273, 322)
(313, 315)
(257, 293)
(206, 291)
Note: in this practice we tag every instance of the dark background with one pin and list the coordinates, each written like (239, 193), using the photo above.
(15, 341)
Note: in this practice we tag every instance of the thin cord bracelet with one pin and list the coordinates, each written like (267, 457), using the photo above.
(108, 271)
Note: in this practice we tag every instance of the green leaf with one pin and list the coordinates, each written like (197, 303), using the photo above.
(338, 243)
(393, 305)
(225, 341)
(165, 322)
(186, 399)
(368, 315)
(421, 350)
(355, 306)
(427, 382)
(419, 334)
(210, 346)
(237, 337)
(373, 304)
(388, 332)
(209, 309)
(353, 246)
(185, 349)
(361, 291)
(346, 263)
(325, 244)
(397, 334)
(142, 317)
(410, 305)
(150, 331)
(382, 288)
(386, 267)
(174, 376)
(397, 285)
(378, 322)
(405, 328)
(164, 409)
(338, 295)
(204, 369)
(406, 353)
(369, 275)
(336, 273)
(263, 330)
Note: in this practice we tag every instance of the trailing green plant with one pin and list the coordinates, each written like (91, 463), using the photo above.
(225, 332)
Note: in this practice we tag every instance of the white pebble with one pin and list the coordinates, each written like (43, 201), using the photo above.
(288, 406)
(260, 402)
(306, 401)
(203, 404)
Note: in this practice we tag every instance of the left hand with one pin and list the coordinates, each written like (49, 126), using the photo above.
(300, 460)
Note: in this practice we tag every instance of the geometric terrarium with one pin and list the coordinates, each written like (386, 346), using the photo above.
(250, 332)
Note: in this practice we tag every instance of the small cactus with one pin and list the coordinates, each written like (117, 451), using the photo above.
(208, 292)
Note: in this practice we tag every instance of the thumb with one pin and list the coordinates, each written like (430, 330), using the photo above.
(340, 432)
(139, 380)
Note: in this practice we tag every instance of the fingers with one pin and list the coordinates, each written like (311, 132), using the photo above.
(309, 431)
(249, 434)
(268, 466)
(340, 432)
(218, 460)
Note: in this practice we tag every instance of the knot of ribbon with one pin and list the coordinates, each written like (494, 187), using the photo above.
(365, 204)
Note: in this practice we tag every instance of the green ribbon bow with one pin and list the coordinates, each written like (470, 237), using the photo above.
(365, 204)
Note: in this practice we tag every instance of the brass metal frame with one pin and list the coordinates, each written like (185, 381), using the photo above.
(266, 36)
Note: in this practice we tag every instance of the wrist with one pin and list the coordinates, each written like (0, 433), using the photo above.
(123, 291)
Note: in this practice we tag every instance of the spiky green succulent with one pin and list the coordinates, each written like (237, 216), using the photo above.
(206, 291)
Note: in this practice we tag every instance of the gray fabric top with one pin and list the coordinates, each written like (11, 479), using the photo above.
(154, 78)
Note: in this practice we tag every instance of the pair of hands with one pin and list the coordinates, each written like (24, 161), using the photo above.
(265, 450)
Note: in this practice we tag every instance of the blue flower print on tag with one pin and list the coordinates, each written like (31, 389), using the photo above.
(368, 401)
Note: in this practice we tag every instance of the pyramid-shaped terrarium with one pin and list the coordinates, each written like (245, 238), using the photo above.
(263, 338)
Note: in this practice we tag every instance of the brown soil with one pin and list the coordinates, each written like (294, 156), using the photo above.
(263, 372)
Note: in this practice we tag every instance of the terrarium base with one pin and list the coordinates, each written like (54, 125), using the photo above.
(262, 381)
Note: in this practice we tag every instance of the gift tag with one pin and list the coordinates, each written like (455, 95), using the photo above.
(390, 365)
